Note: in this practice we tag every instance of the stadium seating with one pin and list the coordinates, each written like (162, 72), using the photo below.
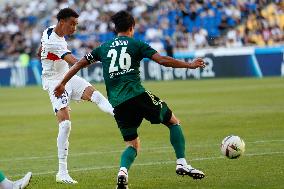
(222, 23)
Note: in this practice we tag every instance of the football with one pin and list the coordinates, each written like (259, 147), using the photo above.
(232, 147)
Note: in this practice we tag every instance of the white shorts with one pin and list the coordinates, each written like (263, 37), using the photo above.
(74, 90)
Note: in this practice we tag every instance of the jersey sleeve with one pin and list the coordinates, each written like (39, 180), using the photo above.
(59, 50)
(146, 50)
(93, 56)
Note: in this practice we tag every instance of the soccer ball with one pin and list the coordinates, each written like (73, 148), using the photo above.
(232, 147)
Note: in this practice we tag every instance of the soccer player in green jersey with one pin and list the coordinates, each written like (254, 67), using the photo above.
(120, 59)
(19, 184)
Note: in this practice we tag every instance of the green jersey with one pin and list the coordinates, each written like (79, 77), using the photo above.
(120, 59)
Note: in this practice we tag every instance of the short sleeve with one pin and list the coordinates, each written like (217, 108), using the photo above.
(59, 50)
(93, 56)
(146, 50)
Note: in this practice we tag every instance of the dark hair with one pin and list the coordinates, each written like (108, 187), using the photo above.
(66, 13)
(122, 21)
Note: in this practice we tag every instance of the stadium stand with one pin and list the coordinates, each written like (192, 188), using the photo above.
(185, 24)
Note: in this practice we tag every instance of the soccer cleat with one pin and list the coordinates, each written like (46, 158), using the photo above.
(24, 182)
(122, 180)
(65, 179)
(190, 171)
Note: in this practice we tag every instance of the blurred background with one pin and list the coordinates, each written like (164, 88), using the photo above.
(180, 28)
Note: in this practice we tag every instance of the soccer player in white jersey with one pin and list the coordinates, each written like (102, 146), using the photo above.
(55, 58)
(22, 183)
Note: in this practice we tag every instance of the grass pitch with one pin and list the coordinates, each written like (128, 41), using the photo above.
(209, 111)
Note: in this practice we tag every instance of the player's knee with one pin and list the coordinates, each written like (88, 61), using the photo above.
(87, 95)
(63, 114)
(134, 143)
(173, 121)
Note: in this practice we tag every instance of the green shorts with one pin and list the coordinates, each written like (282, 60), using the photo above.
(130, 113)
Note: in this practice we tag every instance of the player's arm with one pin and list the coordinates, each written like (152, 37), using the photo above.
(70, 59)
(59, 89)
(63, 53)
(174, 63)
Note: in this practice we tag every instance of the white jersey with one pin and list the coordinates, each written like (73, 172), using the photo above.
(54, 68)
(54, 48)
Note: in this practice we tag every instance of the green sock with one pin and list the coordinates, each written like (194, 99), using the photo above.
(177, 140)
(2, 176)
(128, 157)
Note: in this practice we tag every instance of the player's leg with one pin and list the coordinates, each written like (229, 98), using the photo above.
(19, 184)
(91, 94)
(61, 108)
(128, 120)
(2, 176)
(63, 118)
(176, 136)
(129, 154)
(4, 182)
(23, 182)
(83, 90)
(156, 111)
(178, 142)
(127, 158)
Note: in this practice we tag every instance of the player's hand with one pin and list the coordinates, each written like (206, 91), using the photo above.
(59, 90)
(198, 63)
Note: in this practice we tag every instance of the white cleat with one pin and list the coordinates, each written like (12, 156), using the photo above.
(65, 179)
(122, 180)
(23, 182)
(190, 171)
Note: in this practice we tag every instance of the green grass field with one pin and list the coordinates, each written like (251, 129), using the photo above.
(209, 111)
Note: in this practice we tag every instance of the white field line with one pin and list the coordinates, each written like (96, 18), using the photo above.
(119, 151)
(150, 163)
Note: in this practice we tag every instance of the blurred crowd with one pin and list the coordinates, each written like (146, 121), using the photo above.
(167, 25)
